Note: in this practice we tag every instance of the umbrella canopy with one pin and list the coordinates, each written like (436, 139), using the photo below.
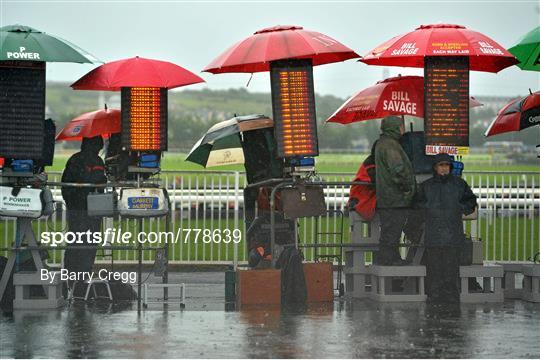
(517, 115)
(136, 72)
(527, 51)
(221, 145)
(401, 95)
(254, 53)
(19, 42)
(409, 50)
(100, 122)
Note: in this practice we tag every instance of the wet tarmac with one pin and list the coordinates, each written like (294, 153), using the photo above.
(345, 329)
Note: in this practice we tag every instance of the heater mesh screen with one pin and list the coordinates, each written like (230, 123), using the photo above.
(293, 105)
(144, 118)
(22, 109)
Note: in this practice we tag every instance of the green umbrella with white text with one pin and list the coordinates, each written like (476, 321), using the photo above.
(23, 43)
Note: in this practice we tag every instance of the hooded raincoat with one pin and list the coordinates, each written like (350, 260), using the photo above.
(83, 167)
(444, 200)
(395, 175)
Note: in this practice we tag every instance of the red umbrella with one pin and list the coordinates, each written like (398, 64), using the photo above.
(100, 122)
(519, 114)
(401, 95)
(136, 72)
(409, 50)
(254, 53)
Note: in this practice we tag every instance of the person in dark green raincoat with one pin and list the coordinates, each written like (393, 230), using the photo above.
(395, 184)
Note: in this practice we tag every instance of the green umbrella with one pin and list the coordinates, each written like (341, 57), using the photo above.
(19, 42)
(222, 144)
(527, 51)
(223, 151)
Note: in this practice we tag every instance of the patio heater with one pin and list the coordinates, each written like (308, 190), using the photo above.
(295, 131)
(144, 137)
(25, 141)
(134, 156)
(27, 145)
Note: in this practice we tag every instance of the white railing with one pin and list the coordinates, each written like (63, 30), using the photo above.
(508, 224)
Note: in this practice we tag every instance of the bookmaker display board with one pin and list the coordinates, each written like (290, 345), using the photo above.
(446, 88)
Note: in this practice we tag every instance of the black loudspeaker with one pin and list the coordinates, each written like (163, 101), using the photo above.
(22, 109)
(48, 146)
(48, 142)
(414, 145)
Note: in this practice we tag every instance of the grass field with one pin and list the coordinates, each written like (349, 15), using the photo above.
(341, 163)
(345, 165)
(508, 239)
(514, 238)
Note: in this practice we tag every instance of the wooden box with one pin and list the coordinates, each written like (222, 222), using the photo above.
(258, 287)
(319, 281)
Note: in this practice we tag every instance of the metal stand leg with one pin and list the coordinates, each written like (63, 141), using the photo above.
(139, 269)
(7, 273)
(88, 287)
(145, 291)
(165, 277)
(24, 231)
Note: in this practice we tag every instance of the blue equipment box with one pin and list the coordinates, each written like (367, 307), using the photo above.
(149, 161)
(22, 165)
(457, 168)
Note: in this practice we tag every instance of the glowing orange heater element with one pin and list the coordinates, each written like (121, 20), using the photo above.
(293, 104)
(144, 118)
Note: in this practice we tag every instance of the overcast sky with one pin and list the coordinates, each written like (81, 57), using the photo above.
(192, 33)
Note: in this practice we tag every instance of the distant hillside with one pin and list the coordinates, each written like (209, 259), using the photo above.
(191, 113)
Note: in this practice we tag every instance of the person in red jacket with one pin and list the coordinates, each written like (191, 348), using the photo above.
(362, 197)
(363, 200)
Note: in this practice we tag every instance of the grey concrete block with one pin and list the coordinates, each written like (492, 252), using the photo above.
(412, 286)
(511, 291)
(362, 231)
(531, 283)
(489, 273)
